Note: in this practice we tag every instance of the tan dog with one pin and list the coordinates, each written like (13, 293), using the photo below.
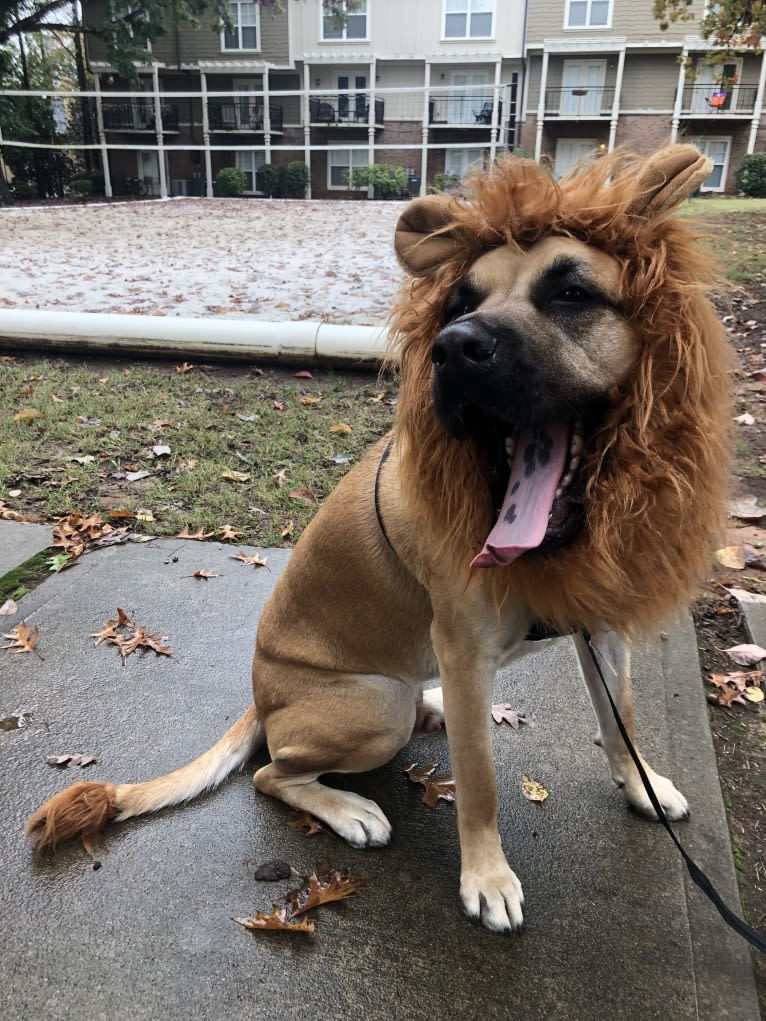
(562, 376)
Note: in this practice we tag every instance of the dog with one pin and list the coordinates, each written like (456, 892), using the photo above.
(557, 465)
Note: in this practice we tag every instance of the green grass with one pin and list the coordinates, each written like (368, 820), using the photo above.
(214, 421)
(712, 206)
(736, 232)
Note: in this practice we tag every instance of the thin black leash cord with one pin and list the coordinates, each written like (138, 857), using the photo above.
(698, 876)
(378, 515)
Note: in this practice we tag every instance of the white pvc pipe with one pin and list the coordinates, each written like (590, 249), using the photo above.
(177, 336)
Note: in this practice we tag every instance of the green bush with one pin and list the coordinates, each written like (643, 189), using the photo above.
(268, 179)
(231, 182)
(81, 186)
(24, 189)
(295, 177)
(388, 178)
(442, 182)
(751, 175)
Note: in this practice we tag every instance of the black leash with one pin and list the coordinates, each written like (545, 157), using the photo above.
(378, 515)
(698, 876)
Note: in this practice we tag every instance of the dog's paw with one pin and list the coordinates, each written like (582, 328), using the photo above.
(493, 898)
(359, 821)
(672, 800)
(429, 713)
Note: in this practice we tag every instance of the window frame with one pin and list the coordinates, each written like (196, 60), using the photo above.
(238, 28)
(332, 162)
(462, 38)
(344, 37)
(699, 140)
(587, 27)
(250, 156)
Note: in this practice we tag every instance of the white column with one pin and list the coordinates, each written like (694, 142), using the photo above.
(371, 114)
(425, 129)
(758, 108)
(496, 93)
(102, 139)
(306, 118)
(266, 115)
(616, 101)
(158, 129)
(541, 108)
(677, 106)
(206, 136)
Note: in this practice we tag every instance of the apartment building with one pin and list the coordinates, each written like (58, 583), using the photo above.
(430, 85)
(600, 73)
(434, 86)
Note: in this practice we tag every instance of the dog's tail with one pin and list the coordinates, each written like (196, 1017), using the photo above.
(84, 809)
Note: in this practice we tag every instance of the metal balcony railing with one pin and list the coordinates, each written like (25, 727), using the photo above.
(462, 111)
(138, 115)
(344, 109)
(242, 114)
(712, 100)
(582, 101)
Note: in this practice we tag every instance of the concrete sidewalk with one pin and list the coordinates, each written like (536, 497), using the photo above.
(613, 929)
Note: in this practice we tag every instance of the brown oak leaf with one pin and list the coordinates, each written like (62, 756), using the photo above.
(68, 761)
(503, 713)
(252, 560)
(436, 787)
(278, 920)
(305, 821)
(317, 889)
(23, 639)
(200, 534)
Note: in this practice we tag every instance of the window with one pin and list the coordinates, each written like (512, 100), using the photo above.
(716, 149)
(250, 162)
(589, 14)
(569, 152)
(244, 33)
(340, 163)
(459, 161)
(354, 28)
(469, 19)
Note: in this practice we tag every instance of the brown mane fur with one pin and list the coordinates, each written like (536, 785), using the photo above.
(658, 467)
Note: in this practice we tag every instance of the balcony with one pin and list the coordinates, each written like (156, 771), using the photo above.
(344, 110)
(714, 101)
(138, 115)
(579, 102)
(242, 115)
(461, 111)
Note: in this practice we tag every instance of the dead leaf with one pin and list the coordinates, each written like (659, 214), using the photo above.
(278, 920)
(303, 374)
(287, 529)
(732, 557)
(747, 509)
(132, 638)
(341, 427)
(235, 476)
(309, 400)
(23, 639)
(280, 477)
(132, 476)
(199, 535)
(161, 450)
(186, 367)
(304, 821)
(336, 884)
(228, 533)
(27, 414)
(305, 495)
(436, 787)
(9, 608)
(533, 791)
(753, 694)
(6, 514)
(279, 405)
(743, 596)
(68, 761)
(746, 655)
(205, 574)
(252, 560)
(746, 419)
(503, 713)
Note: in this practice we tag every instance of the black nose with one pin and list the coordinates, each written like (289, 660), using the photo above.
(464, 344)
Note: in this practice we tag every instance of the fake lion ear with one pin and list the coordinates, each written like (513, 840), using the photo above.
(669, 177)
(421, 241)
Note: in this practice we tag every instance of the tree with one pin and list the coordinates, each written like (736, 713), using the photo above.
(729, 25)
(124, 33)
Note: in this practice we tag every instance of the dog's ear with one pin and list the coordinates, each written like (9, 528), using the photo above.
(667, 178)
(421, 239)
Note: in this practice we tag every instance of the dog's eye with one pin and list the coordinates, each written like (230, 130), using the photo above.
(574, 295)
(464, 299)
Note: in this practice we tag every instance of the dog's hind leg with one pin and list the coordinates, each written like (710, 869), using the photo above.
(614, 659)
(350, 725)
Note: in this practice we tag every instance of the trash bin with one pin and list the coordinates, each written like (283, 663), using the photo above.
(413, 185)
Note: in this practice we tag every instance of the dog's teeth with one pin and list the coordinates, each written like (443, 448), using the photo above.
(510, 445)
(559, 491)
(567, 480)
(577, 444)
(573, 463)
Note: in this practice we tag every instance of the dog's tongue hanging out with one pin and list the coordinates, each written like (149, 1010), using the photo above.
(538, 465)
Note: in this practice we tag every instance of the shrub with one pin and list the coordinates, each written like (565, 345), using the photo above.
(24, 189)
(295, 177)
(268, 179)
(231, 182)
(751, 175)
(389, 178)
(442, 182)
(81, 186)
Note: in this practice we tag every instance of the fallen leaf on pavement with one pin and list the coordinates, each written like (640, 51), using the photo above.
(23, 639)
(304, 821)
(68, 761)
(436, 787)
(8, 608)
(228, 533)
(503, 713)
(200, 534)
(336, 884)
(278, 920)
(205, 574)
(533, 791)
(252, 560)
(746, 655)
(132, 638)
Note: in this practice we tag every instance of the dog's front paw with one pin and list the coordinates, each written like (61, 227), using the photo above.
(494, 898)
(359, 821)
(672, 800)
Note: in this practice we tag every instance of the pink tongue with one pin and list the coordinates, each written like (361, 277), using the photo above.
(538, 465)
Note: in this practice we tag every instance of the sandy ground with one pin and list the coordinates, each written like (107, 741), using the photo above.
(269, 259)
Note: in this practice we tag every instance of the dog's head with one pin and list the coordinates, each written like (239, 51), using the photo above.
(559, 363)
